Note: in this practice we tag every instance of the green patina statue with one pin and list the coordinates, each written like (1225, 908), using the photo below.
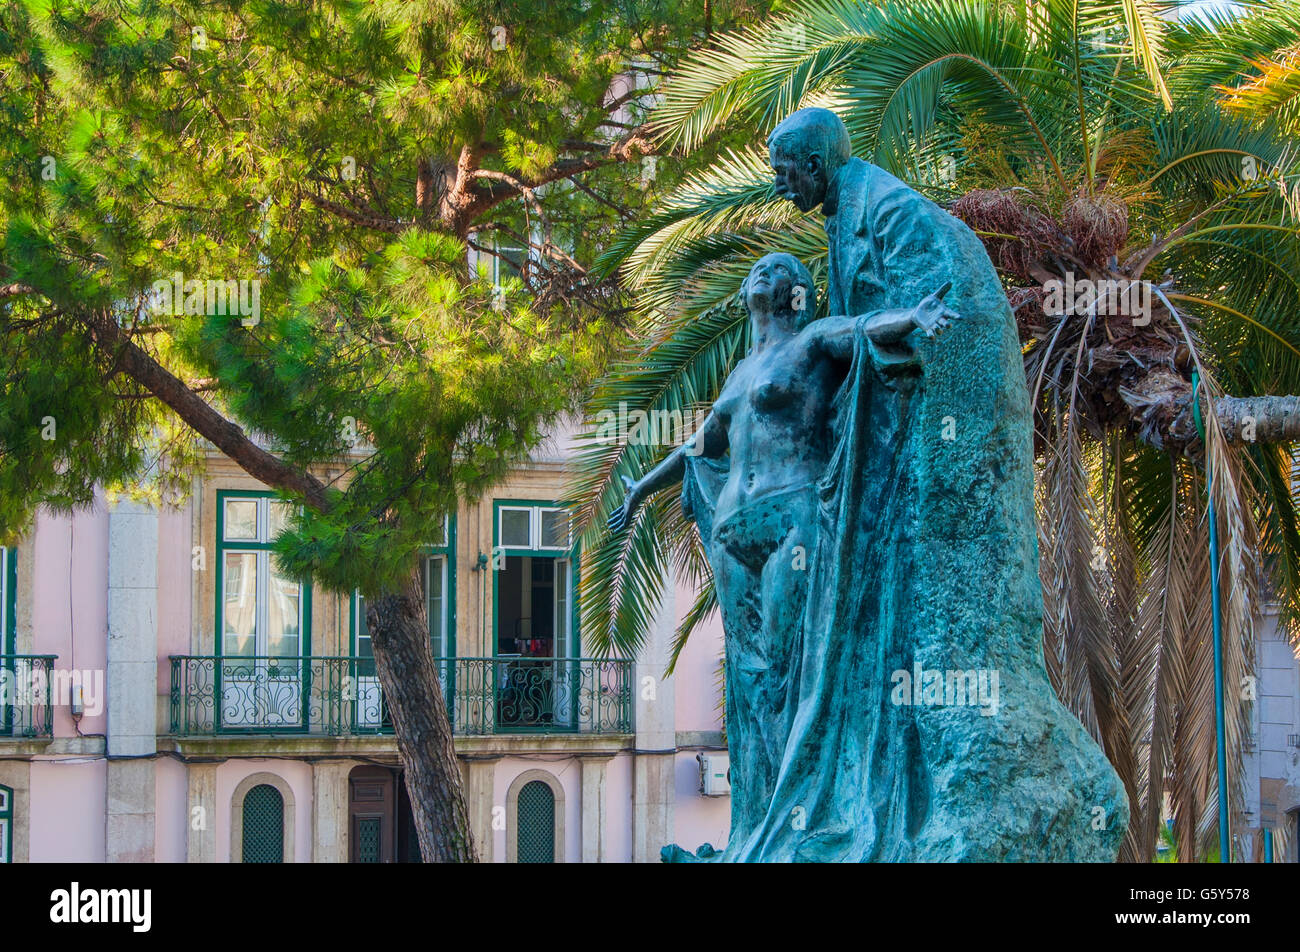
(864, 488)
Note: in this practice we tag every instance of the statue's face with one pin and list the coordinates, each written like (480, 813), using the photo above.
(802, 181)
(770, 285)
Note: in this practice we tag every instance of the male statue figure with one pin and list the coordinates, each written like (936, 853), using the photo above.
(926, 727)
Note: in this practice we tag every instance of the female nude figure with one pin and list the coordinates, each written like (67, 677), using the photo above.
(750, 481)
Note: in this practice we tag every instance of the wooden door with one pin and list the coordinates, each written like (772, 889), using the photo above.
(372, 815)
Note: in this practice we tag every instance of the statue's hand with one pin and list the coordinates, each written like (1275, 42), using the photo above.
(622, 517)
(931, 315)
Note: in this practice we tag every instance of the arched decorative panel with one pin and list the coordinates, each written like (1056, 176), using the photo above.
(263, 825)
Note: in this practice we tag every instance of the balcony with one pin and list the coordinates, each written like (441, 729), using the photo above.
(26, 689)
(341, 696)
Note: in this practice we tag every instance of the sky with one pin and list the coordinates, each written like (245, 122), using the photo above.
(1192, 7)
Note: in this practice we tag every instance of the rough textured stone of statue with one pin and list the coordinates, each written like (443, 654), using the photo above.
(921, 564)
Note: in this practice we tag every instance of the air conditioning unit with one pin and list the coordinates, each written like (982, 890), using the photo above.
(715, 774)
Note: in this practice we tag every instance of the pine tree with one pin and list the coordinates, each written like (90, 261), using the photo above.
(237, 218)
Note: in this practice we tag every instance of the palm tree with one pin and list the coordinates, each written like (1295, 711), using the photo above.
(1088, 140)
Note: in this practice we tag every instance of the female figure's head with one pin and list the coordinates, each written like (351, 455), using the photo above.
(780, 289)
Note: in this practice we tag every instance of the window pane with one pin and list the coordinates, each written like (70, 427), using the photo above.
(514, 528)
(241, 519)
(284, 617)
(278, 514)
(555, 529)
(437, 608)
(363, 633)
(508, 263)
(363, 648)
(239, 604)
(562, 649)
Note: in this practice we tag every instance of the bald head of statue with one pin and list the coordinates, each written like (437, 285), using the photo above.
(806, 151)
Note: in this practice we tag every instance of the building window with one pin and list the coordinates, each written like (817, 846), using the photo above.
(6, 825)
(261, 613)
(263, 825)
(502, 263)
(263, 618)
(438, 583)
(536, 819)
(533, 585)
(533, 527)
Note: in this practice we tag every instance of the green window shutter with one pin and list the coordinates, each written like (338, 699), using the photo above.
(263, 825)
(8, 593)
(6, 825)
(535, 816)
(8, 600)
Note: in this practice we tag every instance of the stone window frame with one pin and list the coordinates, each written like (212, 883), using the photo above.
(237, 814)
(512, 812)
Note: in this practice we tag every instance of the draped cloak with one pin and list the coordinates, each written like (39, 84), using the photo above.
(917, 721)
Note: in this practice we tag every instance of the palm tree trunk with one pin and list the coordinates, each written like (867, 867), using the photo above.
(1259, 419)
(1159, 405)
(399, 634)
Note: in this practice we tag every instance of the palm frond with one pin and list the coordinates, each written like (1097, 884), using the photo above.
(1065, 105)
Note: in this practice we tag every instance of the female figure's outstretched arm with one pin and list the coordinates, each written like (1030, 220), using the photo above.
(710, 441)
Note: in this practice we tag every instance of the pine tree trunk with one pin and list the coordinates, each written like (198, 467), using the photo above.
(424, 190)
(399, 634)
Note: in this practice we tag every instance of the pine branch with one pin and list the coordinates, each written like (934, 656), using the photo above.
(199, 414)
(373, 222)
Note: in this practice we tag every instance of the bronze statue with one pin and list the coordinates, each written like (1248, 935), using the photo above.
(864, 490)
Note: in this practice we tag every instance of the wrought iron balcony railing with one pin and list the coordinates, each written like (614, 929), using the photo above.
(26, 692)
(341, 696)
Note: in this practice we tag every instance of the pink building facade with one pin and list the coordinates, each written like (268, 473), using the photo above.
(171, 698)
